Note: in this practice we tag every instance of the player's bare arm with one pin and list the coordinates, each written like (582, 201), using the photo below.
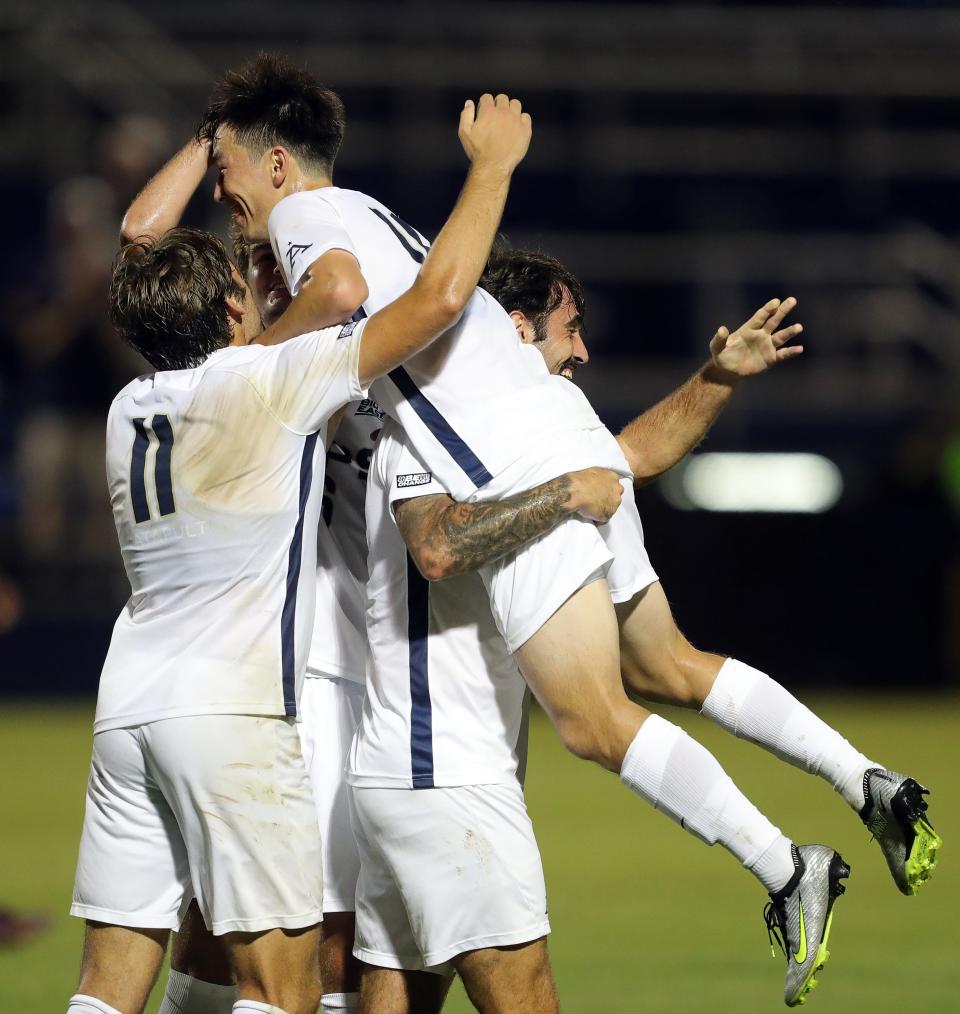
(446, 538)
(159, 207)
(495, 134)
(658, 439)
(331, 292)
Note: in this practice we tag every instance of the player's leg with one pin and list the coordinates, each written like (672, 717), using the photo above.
(400, 991)
(119, 967)
(240, 792)
(278, 968)
(200, 979)
(330, 711)
(499, 980)
(659, 663)
(339, 969)
(133, 882)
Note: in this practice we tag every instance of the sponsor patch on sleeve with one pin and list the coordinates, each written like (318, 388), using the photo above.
(413, 479)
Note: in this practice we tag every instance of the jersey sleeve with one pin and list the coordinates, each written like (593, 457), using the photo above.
(303, 227)
(305, 380)
(406, 475)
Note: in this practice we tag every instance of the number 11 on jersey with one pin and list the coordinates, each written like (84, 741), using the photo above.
(162, 430)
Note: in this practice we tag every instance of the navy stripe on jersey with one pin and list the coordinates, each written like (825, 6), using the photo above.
(421, 710)
(289, 615)
(434, 420)
(411, 232)
(138, 487)
(448, 437)
(415, 252)
(164, 432)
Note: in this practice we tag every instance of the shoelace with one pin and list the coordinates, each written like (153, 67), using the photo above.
(775, 922)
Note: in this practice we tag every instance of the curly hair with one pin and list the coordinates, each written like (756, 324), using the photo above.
(529, 281)
(168, 298)
(270, 102)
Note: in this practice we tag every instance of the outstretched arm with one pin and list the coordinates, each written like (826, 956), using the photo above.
(664, 434)
(446, 538)
(159, 207)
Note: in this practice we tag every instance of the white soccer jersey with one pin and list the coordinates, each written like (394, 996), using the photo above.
(475, 402)
(339, 646)
(445, 700)
(216, 479)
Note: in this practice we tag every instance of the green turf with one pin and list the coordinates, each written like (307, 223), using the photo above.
(645, 918)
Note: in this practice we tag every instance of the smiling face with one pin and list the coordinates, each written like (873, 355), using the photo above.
(245, 184)
(558, 336)
(266, 283)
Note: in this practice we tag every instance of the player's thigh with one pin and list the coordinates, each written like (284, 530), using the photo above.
(279, 967)
(657, 661)
(196, 952)
(242, 799)
(572, 665)
(397, 991)
(120, 964)
(132, 868)
(500, 980)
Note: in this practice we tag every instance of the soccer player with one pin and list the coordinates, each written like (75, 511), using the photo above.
(546, 303)
(451, 877)
(199, 981)
(197, 786)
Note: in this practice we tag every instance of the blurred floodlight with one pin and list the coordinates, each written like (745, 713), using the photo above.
(777, 483)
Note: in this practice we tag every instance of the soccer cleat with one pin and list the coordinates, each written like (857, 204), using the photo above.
(798, 917)
(894, 812)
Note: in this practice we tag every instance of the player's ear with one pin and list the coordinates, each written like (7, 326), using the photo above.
(279, 166)
(524, 328)
(235, 309)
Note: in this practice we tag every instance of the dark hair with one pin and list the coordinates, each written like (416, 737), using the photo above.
(168, 298)
(269, 102)
(529, 281)
(241, 252)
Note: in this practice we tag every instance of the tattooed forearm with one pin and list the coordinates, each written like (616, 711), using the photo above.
(456, 538)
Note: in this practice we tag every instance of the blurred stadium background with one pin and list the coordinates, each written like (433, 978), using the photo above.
(689, 162)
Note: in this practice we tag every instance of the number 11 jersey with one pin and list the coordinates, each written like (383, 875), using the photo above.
(216, 480)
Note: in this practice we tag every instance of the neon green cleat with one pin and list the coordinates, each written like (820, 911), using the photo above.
(798, 918)
(895, 814)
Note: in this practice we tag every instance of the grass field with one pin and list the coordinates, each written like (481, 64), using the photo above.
(645, 918)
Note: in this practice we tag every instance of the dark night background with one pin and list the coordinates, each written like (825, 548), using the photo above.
(689, 162)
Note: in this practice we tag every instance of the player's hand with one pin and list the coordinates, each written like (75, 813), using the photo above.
(495, 132)
(595, 494)
(758, 344)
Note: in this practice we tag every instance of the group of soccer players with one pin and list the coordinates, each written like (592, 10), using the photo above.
(364, 512)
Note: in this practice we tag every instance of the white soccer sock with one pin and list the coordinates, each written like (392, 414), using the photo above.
(255, 1007)
(186, 995)
(682, 779)
(754, 707)
(80, 1004)
(331, 1003)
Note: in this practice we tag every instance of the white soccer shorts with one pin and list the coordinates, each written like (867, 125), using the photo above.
(444, 871)
(527, 587)
(216, 807)
(330, 710)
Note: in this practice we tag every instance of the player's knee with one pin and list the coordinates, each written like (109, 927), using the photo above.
(589, 741)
